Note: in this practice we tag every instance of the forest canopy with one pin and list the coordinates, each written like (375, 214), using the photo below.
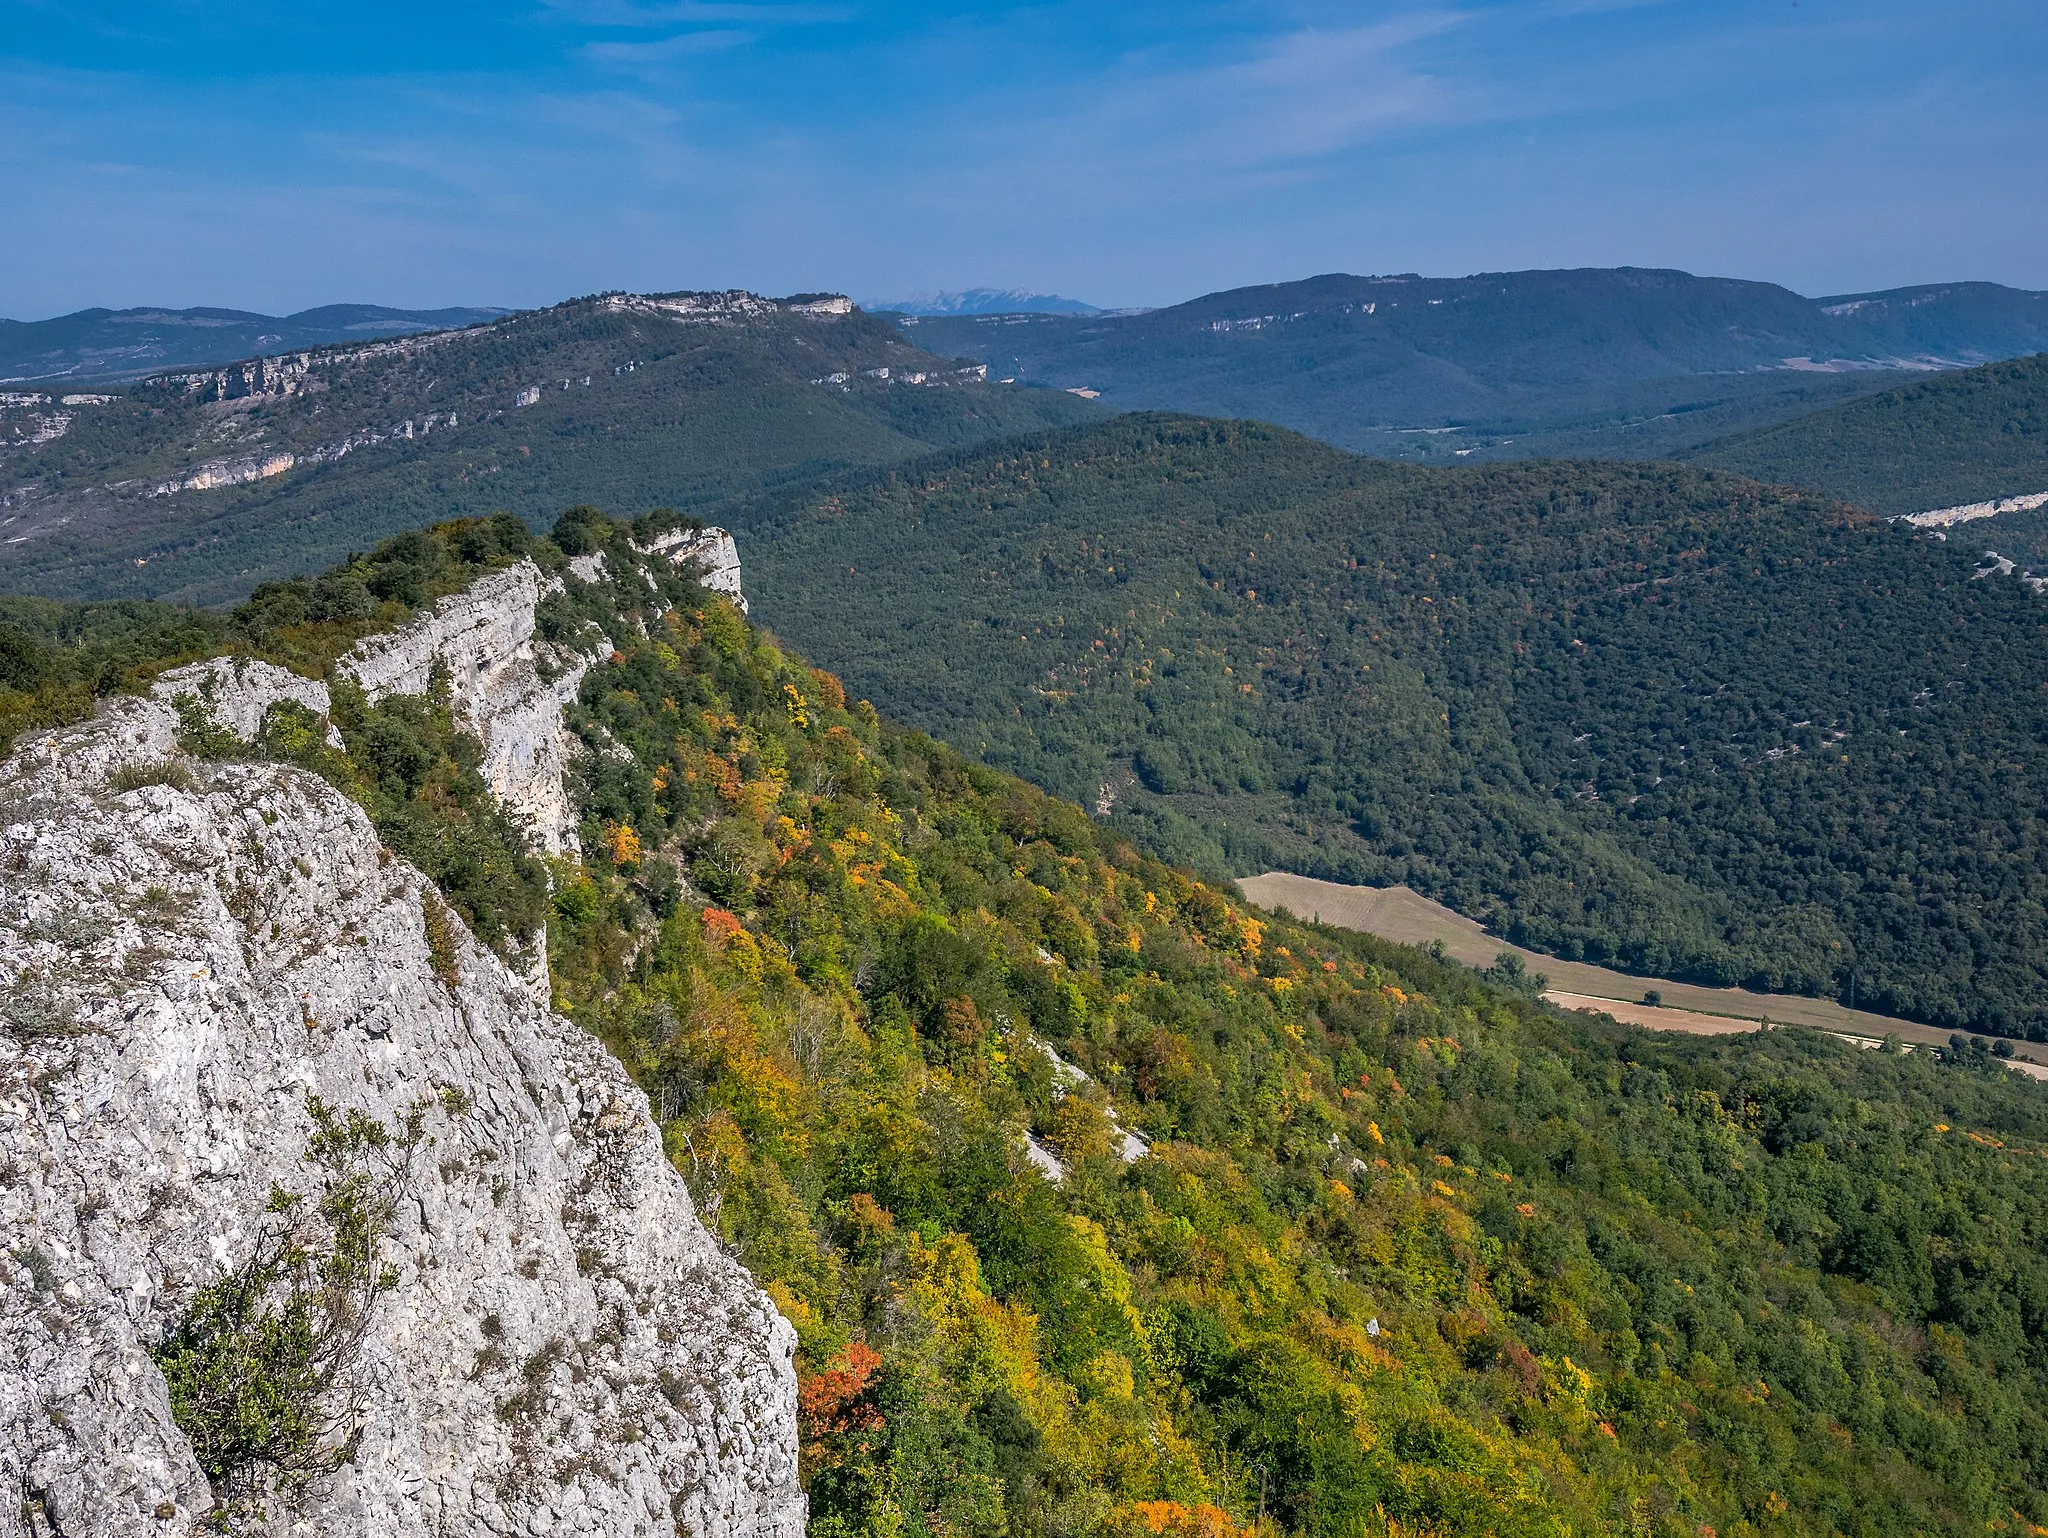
(1104, 1204)
(1651, 716)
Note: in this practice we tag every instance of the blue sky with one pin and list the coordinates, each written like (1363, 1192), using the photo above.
(272, 156)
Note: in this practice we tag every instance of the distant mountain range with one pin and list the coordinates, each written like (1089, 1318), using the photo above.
(126, 344)
(1600, 362)
(198, 483)
(984, 301)
(202, 478)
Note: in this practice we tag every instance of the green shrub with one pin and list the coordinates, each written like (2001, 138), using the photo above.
(292, 731)
(261, 1365)
(166, 771)
(199, 732)
(440, 927)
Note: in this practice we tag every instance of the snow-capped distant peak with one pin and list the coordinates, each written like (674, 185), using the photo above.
(984, 301)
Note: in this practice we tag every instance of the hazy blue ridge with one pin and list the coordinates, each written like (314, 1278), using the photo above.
(1598, 362)
(126, 344)
(984, 301)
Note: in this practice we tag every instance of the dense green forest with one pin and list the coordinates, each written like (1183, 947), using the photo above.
(1643, 715)
(1613, 363)
(1407, 1253)
(1971, 436)
(633, 404)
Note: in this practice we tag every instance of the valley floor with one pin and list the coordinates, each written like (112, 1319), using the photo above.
(1408, 918)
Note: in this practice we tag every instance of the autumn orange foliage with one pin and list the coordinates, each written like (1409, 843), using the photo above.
(720, 926)
(869, 1215)
(621, 843)
(830, 690)
(827, 1402)
(1171, 1519)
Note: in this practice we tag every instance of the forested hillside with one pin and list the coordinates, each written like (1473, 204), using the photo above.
(1401, 1251)
(1650, 716)
(1973, 436)
(198, 488)
(1614, 363)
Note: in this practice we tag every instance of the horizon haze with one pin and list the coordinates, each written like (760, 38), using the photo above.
(515, 154)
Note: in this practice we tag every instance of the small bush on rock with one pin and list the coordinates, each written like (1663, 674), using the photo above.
(164, 772)
(199, 733)
(261, 1366)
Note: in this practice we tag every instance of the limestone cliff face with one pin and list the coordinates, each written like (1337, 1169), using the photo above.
(511, 687)
(711, 551)
(183, 963)
(484, 638)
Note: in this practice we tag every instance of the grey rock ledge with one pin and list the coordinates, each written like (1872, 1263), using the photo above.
(179, 968)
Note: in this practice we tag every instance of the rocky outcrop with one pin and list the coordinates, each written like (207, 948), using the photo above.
(283, 375)
(217, 473)
(727, 306)
(271, 378)
(237, 692)
(1948, 517)
(713, 554)
(1128, 1146)
(511, 687)
(188, 952)
(262, 465)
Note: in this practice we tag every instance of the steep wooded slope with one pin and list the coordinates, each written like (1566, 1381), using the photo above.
(1272, 1305)
(1393, 1249)
(1648, 715)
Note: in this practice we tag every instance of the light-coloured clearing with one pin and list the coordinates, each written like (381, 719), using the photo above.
(1408, 918)
(1654, 1017)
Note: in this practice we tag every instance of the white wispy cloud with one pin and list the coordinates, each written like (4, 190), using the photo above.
(668, 50)
(1304, 93)
(676, 13)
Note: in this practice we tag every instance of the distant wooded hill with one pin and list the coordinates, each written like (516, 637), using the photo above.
(1973, 436)
(1610, 363)
(1642, 714)
(199, 487)
(125, 344)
